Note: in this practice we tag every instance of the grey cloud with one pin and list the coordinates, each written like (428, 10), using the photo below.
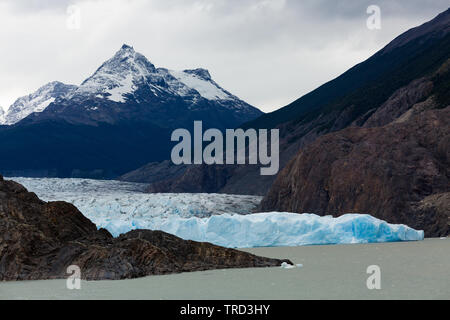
(30, 6)
(352, 9)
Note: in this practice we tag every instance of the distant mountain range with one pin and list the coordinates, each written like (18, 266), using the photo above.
(117, 119)
(128, 86)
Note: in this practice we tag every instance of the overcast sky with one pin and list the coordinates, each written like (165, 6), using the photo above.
(267, 52)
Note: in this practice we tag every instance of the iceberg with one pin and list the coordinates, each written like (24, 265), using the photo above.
(224, 220)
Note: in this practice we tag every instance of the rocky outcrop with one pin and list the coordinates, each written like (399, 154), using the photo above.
(400, 102)
(399, 173)
(39, 240)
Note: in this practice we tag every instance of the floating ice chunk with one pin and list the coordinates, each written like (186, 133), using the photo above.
(286, 265)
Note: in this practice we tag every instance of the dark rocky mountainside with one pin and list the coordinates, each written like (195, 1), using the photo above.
(399, 173)
(411, 69)
(361, 90)
(39, 240)
(194, 179)
(154, 172)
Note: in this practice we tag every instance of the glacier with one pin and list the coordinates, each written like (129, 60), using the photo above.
(105, 200)
(225, 220)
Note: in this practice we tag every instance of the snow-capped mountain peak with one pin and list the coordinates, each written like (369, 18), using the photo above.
(36, 102)
(119, 77)
(126, 60)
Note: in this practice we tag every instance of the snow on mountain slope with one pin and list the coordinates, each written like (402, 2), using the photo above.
(2, 115)
(119, 77)
(207, 88)
(36, 102)
(220, 219)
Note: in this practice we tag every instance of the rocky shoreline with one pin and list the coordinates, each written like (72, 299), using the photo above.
(40, 240)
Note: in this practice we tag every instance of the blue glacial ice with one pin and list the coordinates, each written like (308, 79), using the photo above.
(274, 229)
(220, 219)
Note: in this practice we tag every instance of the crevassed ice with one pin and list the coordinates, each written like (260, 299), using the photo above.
(220, 219)
(108, 200)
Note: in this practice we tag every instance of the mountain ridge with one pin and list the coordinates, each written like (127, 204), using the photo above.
(126, 78)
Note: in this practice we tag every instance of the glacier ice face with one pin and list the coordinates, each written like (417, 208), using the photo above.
(275, 229)
(220, 219)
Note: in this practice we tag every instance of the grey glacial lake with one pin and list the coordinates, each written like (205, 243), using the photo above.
(409, 270)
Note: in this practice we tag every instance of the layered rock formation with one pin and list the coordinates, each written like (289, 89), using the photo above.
(399, 173)
(39, 240)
